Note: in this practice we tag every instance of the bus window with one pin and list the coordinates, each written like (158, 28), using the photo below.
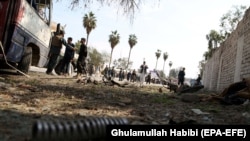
(43, 9)
(32, 3)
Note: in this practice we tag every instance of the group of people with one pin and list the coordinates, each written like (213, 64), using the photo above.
(122, 74)
(131, 76)
(56, 45)
(181, 78)
(109, 73)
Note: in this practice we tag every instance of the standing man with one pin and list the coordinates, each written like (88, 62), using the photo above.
(143, 71)
(55, 49)
(120, 74)
(68, 56)
(112, 73)
(181, 77)
(198, 80)
(81, 64)
(133, 77)
(148, 78)
(106, 70)
(129, 76)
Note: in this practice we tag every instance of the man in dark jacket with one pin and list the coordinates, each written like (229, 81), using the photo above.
(68, 56)
(81, 64)
(181, 77)
(143, 71)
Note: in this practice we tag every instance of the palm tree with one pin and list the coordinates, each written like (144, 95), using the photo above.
(132, 41)
(213, 38)
(114, 39)
(89, 22)
(165, 57)
(158, 54)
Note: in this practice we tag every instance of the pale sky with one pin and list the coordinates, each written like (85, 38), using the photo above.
(178, 27)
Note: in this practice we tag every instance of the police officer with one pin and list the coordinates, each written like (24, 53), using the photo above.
(55, 49)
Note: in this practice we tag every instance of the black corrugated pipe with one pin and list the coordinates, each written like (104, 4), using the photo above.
(90, 128)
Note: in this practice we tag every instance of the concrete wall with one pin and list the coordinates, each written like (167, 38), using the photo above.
(231, 61)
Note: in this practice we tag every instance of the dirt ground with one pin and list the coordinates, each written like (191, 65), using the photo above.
(25, 100)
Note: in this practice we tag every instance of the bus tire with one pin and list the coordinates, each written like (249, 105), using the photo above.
(25, 62)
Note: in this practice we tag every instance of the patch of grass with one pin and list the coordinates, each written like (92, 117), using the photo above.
(32, 82)
(164, 100)
(210, 108)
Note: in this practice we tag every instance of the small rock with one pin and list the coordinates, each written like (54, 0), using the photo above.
(149, 117)
(2, 84)
(246, 114)
(2, 79)
(126, 100)
(35, 101)
(246, 102)
(167, 114)
(121, 104)
(44, 109)
(199, 112)
(154, 123)
(164, 122)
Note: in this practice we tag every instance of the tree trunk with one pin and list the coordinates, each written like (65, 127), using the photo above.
(110, 57)
(129, 57)
(163, 66)
(156, 64)
(169, 72)
(87, 40)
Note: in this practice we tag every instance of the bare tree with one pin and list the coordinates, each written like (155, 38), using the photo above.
(128, 7)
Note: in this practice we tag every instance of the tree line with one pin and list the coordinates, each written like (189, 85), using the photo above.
(95, 57)
(98, 59)
(228, 23)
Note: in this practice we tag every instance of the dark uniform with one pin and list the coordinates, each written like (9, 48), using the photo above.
(68, 56)
(181, 77)
(81, 64)
(55, 49)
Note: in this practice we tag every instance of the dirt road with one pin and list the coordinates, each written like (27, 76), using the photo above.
(24, 100)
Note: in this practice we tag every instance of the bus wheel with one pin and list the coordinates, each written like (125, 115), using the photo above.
(25, 62)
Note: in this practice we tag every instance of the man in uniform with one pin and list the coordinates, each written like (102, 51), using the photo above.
(55, 49)
(81, 61)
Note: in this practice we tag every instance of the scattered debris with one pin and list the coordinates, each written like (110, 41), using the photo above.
(24, 100)
(190, 98)
(199, 112)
